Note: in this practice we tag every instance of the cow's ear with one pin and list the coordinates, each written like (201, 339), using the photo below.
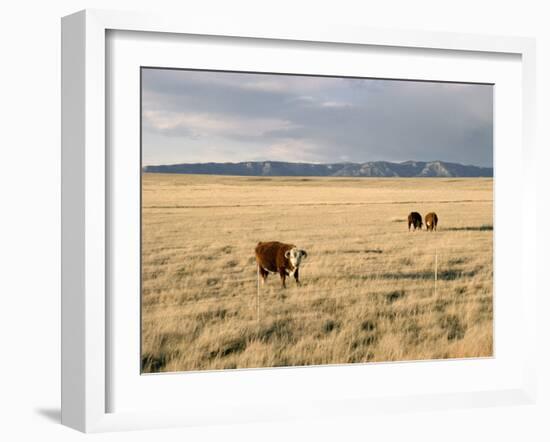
(304, 254)
(287, 254)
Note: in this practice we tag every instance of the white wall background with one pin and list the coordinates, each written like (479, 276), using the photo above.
(30, 214)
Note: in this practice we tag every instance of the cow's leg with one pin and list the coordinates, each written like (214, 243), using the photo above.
(282, 272)
(297, 277)
(263, 273)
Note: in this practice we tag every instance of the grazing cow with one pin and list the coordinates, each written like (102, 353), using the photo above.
(415, 220)
(277, 257)
(431, 221)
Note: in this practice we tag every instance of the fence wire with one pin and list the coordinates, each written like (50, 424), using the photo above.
(272, 301)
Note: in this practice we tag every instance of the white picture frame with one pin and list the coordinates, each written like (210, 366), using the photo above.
(86, 204)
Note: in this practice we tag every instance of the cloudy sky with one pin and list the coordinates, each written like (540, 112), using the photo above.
(200, 116)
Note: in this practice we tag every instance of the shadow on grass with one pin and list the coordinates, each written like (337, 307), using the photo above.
(153, 363)
(482, 228)
(445, 275)
(230, 347)
(454, 328)
(279, 330)
(395, 295)
(354, 251)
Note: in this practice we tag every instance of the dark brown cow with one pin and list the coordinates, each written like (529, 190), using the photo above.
(415, 220)
(431, 221)
(277, 257)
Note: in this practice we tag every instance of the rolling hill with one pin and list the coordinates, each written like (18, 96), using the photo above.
(368, 169)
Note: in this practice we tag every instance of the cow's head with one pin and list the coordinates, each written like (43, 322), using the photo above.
(295, 256)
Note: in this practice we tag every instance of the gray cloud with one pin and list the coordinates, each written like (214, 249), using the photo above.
(194, 116)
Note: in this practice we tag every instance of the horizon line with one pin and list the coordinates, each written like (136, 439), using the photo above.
(316, 163)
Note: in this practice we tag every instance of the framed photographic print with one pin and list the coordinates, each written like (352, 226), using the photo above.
(247, 175)
(250, 214)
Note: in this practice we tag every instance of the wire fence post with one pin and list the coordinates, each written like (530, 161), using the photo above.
(435, 279)
(258, 295)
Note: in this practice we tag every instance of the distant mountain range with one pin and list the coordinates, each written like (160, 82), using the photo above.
(369, 169)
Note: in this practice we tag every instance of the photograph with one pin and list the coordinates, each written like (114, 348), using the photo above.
(292, 220)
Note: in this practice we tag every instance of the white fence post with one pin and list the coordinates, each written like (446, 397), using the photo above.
(435, 280)
(258, 294)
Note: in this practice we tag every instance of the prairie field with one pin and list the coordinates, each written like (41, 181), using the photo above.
(369, 291)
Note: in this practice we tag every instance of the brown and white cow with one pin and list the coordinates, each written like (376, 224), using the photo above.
(277, 257)
(431, 221)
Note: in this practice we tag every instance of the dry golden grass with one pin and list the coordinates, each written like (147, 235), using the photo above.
(368, 290)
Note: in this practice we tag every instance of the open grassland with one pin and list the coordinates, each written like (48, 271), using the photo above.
(368, 291)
